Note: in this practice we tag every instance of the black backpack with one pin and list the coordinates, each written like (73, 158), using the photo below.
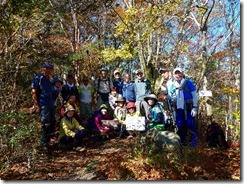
(215, 136)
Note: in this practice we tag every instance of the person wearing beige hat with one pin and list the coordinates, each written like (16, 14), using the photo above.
(120, 110)
(71, 132)
(184, 98)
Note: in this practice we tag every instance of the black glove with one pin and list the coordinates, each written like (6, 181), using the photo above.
(150, 117)
(76, 130)
(80, 134)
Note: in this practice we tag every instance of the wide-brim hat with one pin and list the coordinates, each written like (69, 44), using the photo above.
(153, 96)
(131, 105)
(103, 106)
(116, 71)
(69, 108)
(120, 99)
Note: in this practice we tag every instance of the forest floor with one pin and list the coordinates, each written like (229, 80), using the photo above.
(110, 159)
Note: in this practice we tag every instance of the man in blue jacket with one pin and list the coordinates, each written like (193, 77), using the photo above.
(43, 102)
(184, 98)
(128, 89)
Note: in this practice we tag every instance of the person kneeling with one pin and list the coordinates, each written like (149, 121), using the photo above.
(71, 132)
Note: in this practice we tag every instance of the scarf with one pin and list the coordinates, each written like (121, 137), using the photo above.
(70, 85)
(179, 94)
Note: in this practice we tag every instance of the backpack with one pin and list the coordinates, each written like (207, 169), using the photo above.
(104, 96)
(99, 80)
(35, 83)
(169, 123)
(215, 136)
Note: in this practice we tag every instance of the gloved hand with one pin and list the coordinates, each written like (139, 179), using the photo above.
(194, 112)
(76, 130)
(79, 134)
(150, 117)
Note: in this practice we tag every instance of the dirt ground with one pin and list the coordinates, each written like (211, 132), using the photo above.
(102, 160)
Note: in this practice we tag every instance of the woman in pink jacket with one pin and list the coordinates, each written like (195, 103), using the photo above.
(102, 115)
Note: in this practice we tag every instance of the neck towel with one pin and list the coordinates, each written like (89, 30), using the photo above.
(179, 94)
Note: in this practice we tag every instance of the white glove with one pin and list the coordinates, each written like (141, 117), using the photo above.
(194, 112)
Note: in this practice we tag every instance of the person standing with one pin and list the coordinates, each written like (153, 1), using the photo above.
(57, 84)
(163, 81)
(184, 98)
(128, 89)
(142, 89)
(69, 88)
(103, 85)
(86, 93)
(118, 82)
(43, 102)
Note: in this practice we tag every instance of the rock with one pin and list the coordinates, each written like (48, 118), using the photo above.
(165, 139)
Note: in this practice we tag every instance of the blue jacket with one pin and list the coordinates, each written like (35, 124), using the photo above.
(44, 88)
(66, 91)
(118, 83)
(128, 92)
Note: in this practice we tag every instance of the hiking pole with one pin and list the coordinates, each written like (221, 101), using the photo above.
(173, 125)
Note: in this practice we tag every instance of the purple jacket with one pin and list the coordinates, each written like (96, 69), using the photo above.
(98, 121)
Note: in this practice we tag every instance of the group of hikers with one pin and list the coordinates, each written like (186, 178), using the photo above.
(171, 105)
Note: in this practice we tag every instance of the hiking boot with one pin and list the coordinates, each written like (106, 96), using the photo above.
(43, 148)
(65, 146)
(80, 149)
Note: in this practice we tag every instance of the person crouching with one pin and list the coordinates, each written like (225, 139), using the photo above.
(71, 132)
